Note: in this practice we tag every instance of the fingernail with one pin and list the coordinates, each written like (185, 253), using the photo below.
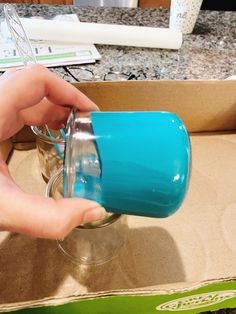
(93, 214)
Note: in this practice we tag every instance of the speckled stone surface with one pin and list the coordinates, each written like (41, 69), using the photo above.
(208, 53)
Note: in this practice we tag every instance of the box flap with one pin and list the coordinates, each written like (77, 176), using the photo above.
(202, 105)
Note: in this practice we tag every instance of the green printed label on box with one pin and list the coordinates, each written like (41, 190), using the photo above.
(209, 297)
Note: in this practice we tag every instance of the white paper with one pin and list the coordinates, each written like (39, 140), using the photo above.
(47, 53)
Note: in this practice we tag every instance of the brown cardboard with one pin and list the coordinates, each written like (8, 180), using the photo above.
(202, 105)
(195, 245)
(5, 149)
(24, 139)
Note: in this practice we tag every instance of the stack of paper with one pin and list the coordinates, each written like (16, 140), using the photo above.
(48, 53)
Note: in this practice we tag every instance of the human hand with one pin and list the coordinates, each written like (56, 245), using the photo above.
(35, 96)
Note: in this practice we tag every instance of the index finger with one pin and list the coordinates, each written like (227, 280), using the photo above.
(25, 88)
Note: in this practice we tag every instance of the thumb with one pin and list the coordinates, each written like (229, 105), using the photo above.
(43, 217)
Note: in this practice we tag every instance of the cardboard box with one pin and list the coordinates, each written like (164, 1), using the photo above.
(181, 264)
(5, 149)
(23, 140)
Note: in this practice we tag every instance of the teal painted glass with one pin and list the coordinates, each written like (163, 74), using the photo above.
(142, 162)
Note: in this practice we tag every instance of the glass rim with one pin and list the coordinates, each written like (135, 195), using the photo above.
(46, 138)
(82, 117)
(91, 225)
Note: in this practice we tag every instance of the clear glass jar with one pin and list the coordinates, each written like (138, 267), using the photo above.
(134, 163)
(50, 146)
(91, 243)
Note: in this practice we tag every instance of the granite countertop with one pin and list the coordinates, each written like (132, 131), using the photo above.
(208, 53)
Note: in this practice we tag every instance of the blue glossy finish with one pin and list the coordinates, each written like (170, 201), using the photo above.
(145, 160)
